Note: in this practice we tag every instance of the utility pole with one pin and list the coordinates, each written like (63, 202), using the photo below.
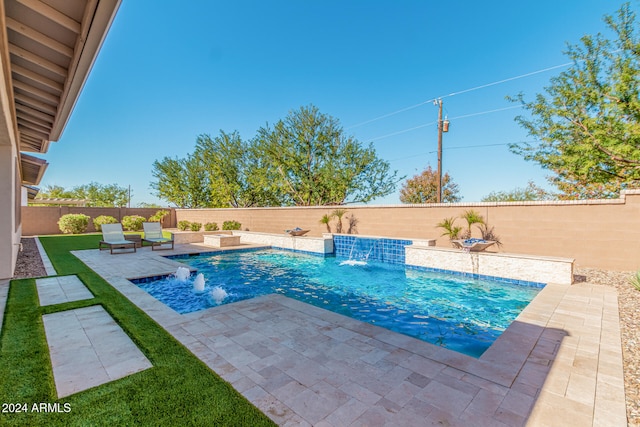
(443, 126)
(439, 198)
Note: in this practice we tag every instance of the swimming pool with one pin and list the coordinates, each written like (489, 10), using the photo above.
(458, 313)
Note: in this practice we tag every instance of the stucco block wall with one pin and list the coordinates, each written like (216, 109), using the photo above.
(596, 233)
(42, 220)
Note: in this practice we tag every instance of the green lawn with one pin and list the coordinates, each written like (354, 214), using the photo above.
(178, 390)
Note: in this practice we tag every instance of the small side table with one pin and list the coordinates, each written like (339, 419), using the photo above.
(134, 238)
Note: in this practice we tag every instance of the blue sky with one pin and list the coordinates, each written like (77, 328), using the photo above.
(170, 71)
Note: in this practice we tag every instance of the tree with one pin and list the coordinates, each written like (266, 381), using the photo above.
(110, 195)
(313, 162)
(423, 188)
(54, 192)
(236, 175)
(183, 182)
(529, 193)
(588, 123)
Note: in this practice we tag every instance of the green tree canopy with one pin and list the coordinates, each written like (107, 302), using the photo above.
(94, 193)
(423, 188)
(588, 123)
(315, 163)
(237, 176)
(304, 159)
(54, 192)
(183, 182)
(529, 193)
(102, 195)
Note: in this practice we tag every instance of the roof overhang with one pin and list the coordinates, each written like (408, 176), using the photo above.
(52, 45)
(33, 169)
(32, 192)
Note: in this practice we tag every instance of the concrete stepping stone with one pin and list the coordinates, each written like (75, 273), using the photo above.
(87, 349)
(58, 290)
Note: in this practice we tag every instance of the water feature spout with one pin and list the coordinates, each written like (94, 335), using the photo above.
(361, 250)
(218, 294)
(198, 283)
(182, 274)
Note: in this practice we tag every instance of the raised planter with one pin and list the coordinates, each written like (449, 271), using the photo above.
(221, 240)
(182, 237)
(319, 245)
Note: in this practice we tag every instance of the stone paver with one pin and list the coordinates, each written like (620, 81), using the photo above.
(559, 363)
(61, 289)
(87, 348)
(48, 266)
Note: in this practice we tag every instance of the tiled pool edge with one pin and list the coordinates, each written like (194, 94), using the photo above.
(502, 373)
(477, 276)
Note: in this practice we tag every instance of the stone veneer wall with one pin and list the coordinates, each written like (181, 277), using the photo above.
(509, 266)
(319, 245)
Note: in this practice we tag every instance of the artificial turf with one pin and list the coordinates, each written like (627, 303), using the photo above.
(178, 390)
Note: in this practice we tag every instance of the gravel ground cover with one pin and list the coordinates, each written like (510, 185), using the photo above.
(29, 264)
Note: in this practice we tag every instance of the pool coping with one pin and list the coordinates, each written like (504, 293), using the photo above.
(513, 355)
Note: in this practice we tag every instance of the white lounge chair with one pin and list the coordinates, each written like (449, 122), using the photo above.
(153, 235)
(113, 238)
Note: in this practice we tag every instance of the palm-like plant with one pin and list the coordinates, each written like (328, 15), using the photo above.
(450, 229)
(326, 220)
(488, 233)
(339, 213)
(353, 224)
(472, 217)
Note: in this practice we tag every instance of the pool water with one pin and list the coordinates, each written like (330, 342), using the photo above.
(455, 312)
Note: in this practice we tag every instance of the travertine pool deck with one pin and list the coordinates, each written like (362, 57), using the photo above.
(560, 363)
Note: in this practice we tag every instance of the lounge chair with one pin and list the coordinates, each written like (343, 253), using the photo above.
(296, 232)
(153, 235)
(113, 238)
(473, 245)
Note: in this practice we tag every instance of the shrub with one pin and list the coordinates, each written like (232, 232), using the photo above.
(157, 217)
(195, 226)
(133, 222)
(231, 225)
(103, 219)
(635, 280)
(184, 225)
(210, 226)
(73, 223)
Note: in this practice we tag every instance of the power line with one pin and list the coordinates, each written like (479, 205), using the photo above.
(402, 131)
(486, 112)
(459, 93)
(433, 123)
(456, 148)
(509, 79)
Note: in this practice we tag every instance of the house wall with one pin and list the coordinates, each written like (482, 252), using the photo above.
(596, 233)
(9, 224)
